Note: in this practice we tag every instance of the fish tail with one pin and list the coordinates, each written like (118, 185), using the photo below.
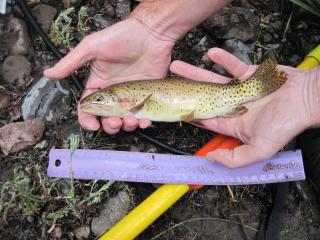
(269, 74)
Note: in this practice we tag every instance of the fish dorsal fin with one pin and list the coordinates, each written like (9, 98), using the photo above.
(140, 104)
(234, 81)
(266, 68)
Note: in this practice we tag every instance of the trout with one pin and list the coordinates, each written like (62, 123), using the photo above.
(179, 99)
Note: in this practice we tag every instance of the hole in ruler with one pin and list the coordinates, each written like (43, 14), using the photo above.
(57, 163)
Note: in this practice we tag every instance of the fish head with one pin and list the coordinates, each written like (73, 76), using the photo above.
(108, 103)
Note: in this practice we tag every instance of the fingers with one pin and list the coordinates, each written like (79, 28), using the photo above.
(239, 157)
(113, 125)
(72, 61)
(195, 73)
(231, 63)
(86, 120)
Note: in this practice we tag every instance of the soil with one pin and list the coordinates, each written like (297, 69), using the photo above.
(208, 213)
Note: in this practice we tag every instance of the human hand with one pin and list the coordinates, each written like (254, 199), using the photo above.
(123, 52)
(271, 122)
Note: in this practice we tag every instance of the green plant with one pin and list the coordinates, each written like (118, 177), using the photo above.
(83, 18)
(312, 6)
(61, 30)
(20, 191)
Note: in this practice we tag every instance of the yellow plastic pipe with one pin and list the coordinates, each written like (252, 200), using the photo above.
(147, 212)
(312, 60)
(165, 196)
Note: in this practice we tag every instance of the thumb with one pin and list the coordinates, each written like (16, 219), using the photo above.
(238, 157)
(72, 61)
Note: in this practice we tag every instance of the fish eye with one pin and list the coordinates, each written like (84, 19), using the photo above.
(99, 98)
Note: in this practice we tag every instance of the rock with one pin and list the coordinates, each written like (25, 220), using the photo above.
(110, 11)
(57, 233)
(46, 99)
(76, 3)
(44, 15)
(18, 37)
(267, 38)
(123, 8)
(16, 71)
(205, 43)
(233, 22)
(237, 48)
(100, 22)
(20, 135)
(4, 100)
(42, 145)
(82, 232)
(70, 130)
(113, 211)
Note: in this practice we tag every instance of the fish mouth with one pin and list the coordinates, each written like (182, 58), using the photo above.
(96, 109)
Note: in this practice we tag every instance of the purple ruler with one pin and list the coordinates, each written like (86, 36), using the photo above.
(167, 168)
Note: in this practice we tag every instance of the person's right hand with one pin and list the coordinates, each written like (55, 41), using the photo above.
(123, 52)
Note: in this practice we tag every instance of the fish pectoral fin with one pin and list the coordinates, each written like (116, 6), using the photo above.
(188, 117)
(140, 105)
(238, 111)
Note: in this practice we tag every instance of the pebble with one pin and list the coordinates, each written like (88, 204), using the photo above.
(57, 233)
(44, 14)
(204, 44)
(112, 211)
(46, 99)
(16, 71)
(100, 22)
(4, 100)
(122, 9)
(19, 42)
(82, 232)
(110, 11)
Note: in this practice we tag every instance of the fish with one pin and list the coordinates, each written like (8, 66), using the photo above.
(180, 99)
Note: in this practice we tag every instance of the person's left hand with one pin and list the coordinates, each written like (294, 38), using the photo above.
(271, 122)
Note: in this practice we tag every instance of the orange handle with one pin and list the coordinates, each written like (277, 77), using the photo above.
(219, 141)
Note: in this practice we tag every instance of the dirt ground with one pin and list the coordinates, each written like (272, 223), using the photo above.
(34, 207)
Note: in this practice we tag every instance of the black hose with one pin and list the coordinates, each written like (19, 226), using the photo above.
(26, 11)
(162, 145)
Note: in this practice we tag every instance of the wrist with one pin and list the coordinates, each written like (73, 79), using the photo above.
(172, 19)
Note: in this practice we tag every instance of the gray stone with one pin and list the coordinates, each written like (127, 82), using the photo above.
(44, 15)
(233, 22)
(205, 43)
(113, 211)
(123, 8)
(18, 37)
(237, 48)
(16, 71)
(82, 232)
(100, 22)
(46, 99)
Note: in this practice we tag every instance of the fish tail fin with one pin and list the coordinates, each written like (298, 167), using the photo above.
(268, 72)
